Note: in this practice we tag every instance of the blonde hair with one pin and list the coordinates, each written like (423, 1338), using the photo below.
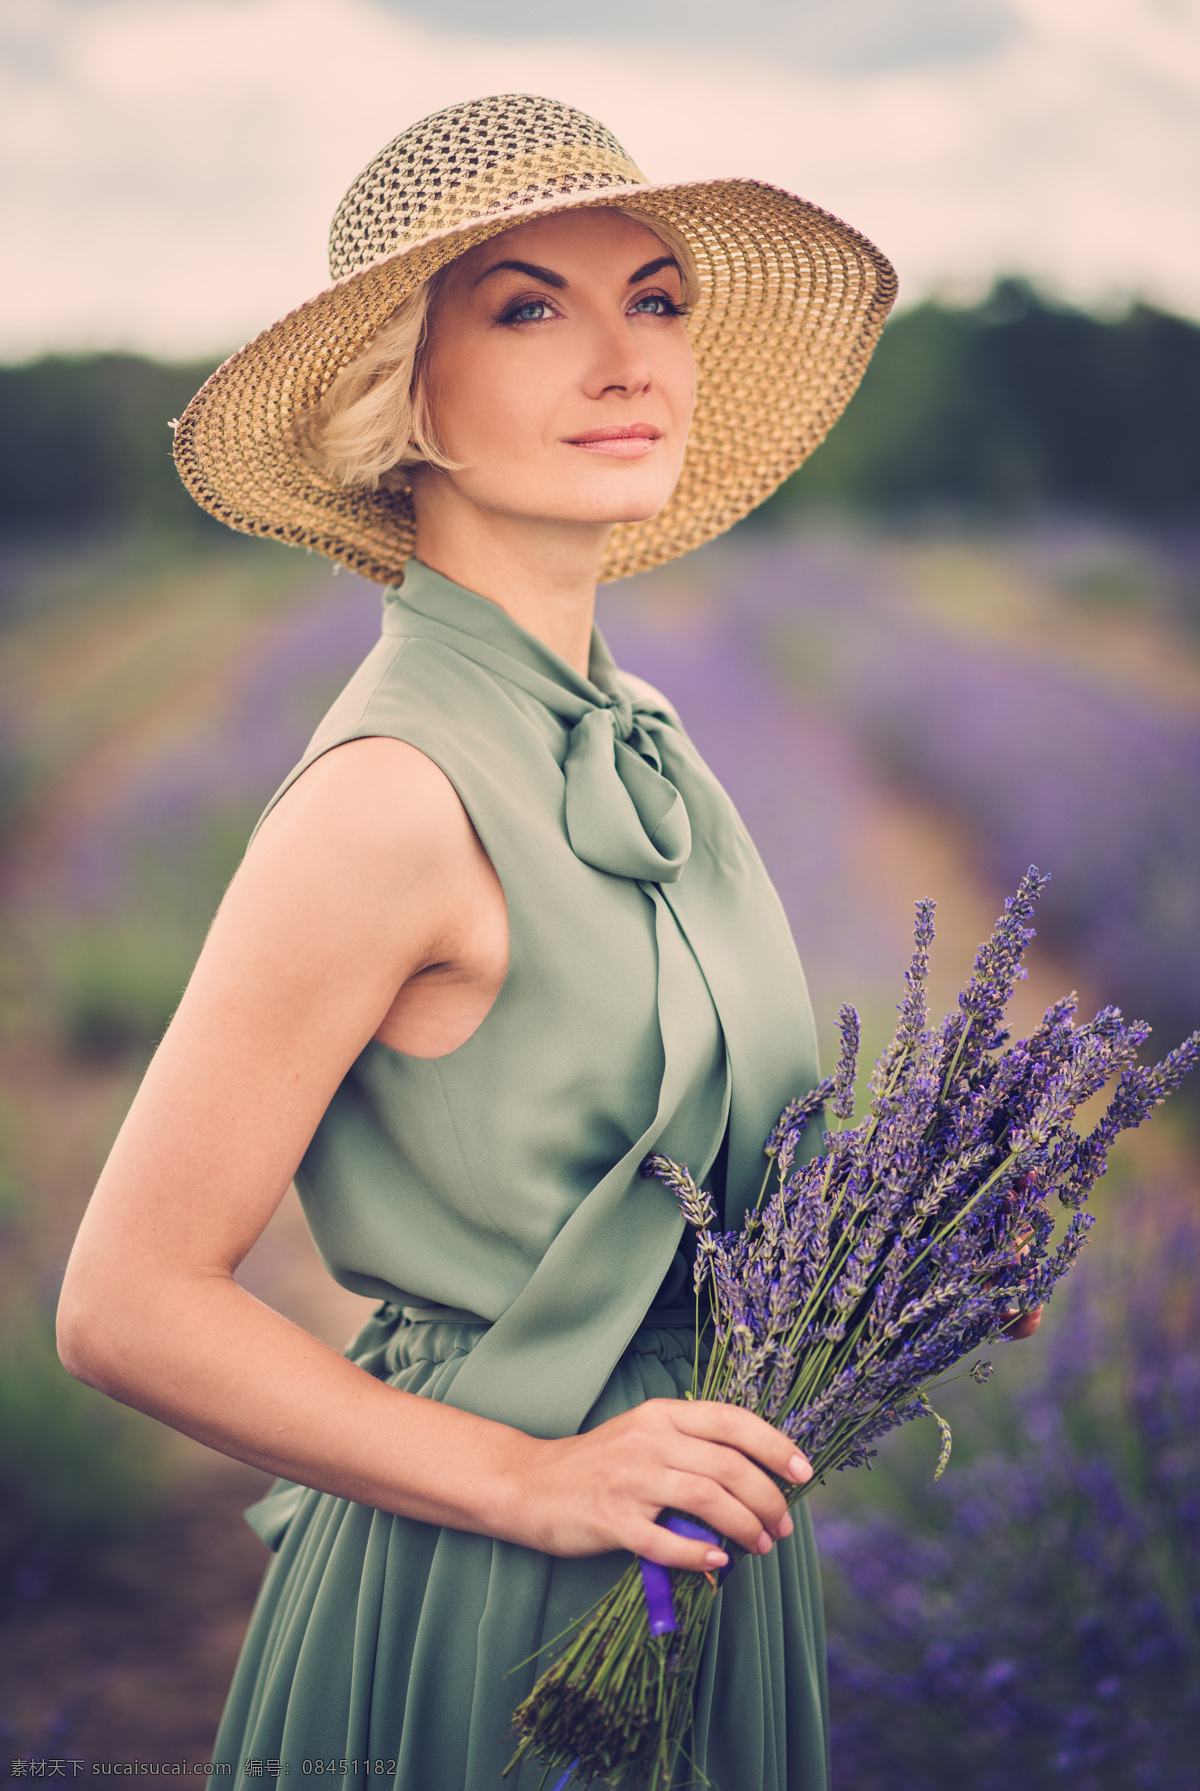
(375, 421)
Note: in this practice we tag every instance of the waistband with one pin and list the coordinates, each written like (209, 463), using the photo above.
(675, 1318)
(433, 1340)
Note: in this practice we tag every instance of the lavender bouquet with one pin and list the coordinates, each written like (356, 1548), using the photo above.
(860, 1279)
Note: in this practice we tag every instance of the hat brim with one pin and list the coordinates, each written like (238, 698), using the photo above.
(791, 305)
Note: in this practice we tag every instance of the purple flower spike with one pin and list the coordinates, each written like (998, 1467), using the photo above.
(843, 1082)
(914, 1014)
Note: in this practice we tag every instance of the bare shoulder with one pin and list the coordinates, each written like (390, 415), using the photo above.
(369, 853)
(377, 795)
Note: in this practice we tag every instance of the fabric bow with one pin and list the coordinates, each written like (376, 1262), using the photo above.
(623, 816)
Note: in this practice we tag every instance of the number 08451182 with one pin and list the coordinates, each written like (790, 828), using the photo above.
(339, 1769)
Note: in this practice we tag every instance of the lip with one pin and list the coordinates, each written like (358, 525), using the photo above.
(624, 441)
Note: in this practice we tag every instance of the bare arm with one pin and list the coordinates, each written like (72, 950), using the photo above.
(363, 898)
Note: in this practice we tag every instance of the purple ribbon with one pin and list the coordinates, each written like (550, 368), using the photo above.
(656, 1580)
(565, 1780)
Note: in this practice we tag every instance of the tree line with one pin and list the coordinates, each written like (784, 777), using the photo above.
(1008, 407)
(1018, 405)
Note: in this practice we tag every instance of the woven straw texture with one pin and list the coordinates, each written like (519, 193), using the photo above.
(792, 302)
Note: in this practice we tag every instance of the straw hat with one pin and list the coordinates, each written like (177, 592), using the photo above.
(791, 306)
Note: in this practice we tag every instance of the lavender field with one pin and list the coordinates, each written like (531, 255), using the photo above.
(1036, 1617)
(896, 716)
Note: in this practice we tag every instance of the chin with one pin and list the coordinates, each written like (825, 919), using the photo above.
(635, 515)
(638, 502)
(594, 502)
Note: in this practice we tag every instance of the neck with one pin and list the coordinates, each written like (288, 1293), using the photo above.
(542, 573)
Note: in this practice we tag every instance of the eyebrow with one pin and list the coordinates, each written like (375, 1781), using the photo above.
(525, 267)
(550, 278)
(654, 267)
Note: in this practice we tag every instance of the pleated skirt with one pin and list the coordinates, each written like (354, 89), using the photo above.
(384, 1652)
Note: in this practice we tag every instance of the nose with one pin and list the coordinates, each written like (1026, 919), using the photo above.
(618, 365)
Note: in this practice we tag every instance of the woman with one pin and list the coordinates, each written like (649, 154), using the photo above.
(499, 936)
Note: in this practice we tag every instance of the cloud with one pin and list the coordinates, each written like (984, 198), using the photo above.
(840, 36)
(168, 171)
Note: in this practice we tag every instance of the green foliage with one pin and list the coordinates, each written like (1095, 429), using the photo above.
(76, 1469)
(120, 973)
(1014, 405)
(85, 442)
(119, 987)
(10, 1187)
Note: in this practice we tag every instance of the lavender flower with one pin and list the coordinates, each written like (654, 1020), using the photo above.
(842, 1103)
(793, 1123)
(865, 1275)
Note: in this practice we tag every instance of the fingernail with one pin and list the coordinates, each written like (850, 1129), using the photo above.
(784, 1526)
(799, 1469)
(715, 1558)
(763, 1545)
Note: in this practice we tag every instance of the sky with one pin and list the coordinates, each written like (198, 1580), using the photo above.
(168, 168)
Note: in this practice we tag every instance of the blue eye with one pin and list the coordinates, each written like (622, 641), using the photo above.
(528, 311)
(656, 304)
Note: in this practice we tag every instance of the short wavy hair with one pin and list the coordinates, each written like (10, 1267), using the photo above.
(374, 422)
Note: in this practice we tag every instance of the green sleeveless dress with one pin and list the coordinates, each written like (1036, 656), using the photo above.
(491, 1199)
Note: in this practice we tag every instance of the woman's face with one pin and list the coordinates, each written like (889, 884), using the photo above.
(559, 371)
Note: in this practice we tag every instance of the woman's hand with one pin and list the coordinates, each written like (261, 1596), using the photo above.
(1024, 1323)
(605, 1488)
